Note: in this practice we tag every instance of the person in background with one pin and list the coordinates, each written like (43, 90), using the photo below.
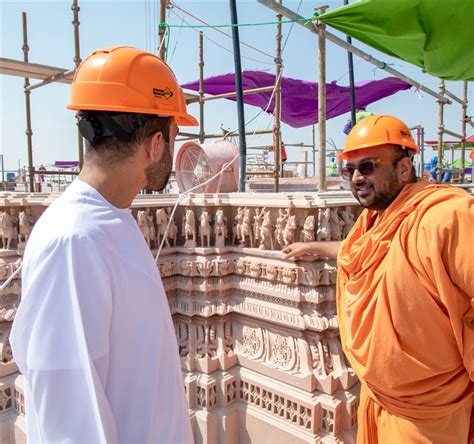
(405, 293)
(361, 113)
(93, 335)
(332, 167)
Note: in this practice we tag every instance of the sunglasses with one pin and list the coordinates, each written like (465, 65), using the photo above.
(366, 167)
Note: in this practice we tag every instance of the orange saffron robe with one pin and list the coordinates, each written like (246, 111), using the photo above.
(405, 304)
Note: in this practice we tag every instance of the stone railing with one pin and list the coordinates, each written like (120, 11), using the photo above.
(257, 334)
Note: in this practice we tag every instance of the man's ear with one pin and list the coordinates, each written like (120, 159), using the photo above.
(405, 168)
(155, 146)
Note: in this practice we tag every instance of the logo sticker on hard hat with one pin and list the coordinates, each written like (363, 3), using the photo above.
(166, 93)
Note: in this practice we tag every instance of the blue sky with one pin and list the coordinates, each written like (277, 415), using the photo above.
(111, 23)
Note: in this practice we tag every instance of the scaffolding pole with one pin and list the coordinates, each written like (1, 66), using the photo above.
(161, 30)
(201, 88)
(464, 121)
(240, 96)
(277, 111)
(439, 166)
(322, 102)
(77, 60)
(274, 6)
(29, 133)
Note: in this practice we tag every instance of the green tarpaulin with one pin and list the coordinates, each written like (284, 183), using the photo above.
(436, 35)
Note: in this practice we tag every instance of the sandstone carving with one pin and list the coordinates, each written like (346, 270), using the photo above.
(220, 228)
(307, 234)
(205, 227)
(324, 229)
(189, 229)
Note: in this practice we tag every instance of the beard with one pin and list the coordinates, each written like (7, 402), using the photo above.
(158, 173)
(377, 197)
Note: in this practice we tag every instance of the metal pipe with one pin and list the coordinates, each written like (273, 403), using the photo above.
(451, 133)
(53, 173)
(29, 131)
(273, 5)
(201, 87)
(51, 79)
(260, 173)
(77, 60)
(464, 121)
(314, 149)
(277, 110)
(322, 101)
(161, 31)
(350, 64)
(439, 166)
(422, 146)
(190, 136)
(240, 96)
(233, 94)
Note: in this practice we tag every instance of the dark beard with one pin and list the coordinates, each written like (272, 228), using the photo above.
(158, 173)
(382, 198)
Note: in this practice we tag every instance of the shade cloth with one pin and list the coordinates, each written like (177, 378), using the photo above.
(66, 163)
(300, 97)
(435, 35)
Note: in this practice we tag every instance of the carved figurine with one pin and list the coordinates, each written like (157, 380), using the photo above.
(266, 231)
(161, 224)
(246, 228)
(212, 347)
(205, 268)
(346, 215)
(220, 228)
(257, 223)
(228, 339)
(324, 230)
(189, 228)
(205, 227)
(172, 230)
(26, 222)
(336, 225)
(183, 339)
(200, 341)
(145, 223)
(236, 228)
(307, 234)
(289, 231)
(280, 226)
(8, 227)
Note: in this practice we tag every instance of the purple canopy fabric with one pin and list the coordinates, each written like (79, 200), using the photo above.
(65, 163)
(299, 97)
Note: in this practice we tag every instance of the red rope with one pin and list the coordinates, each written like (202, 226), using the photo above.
(218, 30)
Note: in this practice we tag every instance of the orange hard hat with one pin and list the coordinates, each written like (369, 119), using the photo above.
(128, 80)
(378, 130)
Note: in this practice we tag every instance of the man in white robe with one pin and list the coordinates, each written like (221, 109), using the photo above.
(93, 335)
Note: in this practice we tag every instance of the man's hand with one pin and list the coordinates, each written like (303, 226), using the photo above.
(299, 251)
(307, 251)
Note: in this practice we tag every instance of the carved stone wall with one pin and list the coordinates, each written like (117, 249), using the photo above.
(257, 334)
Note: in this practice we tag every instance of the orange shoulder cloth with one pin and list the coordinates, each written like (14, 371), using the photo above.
(405, 301)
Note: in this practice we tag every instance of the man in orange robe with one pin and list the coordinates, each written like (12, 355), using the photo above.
(405, 294)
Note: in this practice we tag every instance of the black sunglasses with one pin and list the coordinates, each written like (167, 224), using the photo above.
(366, 167)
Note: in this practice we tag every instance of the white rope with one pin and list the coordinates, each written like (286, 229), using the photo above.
(182, 195)
(224, 167)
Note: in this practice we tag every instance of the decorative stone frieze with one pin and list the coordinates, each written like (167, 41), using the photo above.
(257, 334)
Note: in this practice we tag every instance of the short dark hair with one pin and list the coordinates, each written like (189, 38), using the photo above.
(109, 149)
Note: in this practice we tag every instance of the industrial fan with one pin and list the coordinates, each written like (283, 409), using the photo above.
(196, 163)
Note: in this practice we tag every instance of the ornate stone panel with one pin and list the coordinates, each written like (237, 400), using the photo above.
(257, 335)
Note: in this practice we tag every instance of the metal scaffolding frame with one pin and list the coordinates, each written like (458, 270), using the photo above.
(317, 27)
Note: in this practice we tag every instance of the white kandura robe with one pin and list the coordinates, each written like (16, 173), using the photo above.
(93, 335)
